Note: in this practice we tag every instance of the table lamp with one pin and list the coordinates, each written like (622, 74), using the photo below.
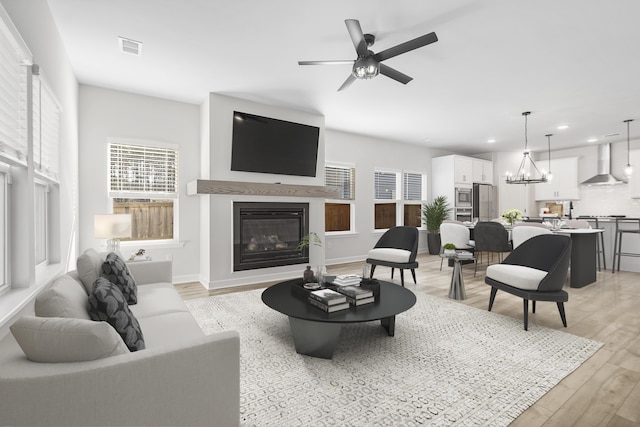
(112, 227)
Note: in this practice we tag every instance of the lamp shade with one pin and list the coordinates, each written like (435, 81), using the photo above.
(112, 226)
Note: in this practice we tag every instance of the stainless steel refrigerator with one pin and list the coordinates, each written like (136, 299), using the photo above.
(484, 202)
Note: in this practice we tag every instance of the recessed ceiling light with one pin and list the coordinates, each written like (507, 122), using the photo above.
(491, 140)
(592, 140)
(563, 127)
(130, 46)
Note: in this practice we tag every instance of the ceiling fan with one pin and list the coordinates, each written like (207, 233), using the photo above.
(369, 64)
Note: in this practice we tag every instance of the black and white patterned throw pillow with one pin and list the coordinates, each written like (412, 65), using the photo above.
(106, 303)
(115, 270)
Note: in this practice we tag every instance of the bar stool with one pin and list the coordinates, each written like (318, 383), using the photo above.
(621, 229)
(599, 242)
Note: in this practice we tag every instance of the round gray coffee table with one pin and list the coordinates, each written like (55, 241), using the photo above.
(315, 333)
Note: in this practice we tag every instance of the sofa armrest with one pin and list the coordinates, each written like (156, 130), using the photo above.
(145, 272)
(193, 384)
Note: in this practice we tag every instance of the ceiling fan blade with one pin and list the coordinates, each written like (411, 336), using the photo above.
(395, 74)
(406, 46)
(330, 62)
(357, 36)
(347, 82)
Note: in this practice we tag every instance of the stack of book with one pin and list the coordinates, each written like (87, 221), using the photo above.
(328, 300)
(347, 279)
(356, 295)
(462, 254)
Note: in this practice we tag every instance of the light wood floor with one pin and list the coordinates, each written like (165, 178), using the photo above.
(604, 391)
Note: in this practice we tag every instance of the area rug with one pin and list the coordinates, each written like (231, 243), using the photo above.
(448, 364)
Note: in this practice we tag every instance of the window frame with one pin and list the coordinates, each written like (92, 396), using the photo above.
(343, 200)
(421, 201)
(173, 196)
(395, 195)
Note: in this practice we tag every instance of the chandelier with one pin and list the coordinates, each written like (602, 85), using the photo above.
(528, 172)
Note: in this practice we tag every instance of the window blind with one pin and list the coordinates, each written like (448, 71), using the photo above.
(13, 93)
(46, 128)
(342, 178)
(142, 171)
(412, 186)
(385, 185)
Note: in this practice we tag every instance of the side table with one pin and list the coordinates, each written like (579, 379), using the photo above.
(456, 290)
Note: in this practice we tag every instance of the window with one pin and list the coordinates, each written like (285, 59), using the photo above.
(339, 214)
(385, 188)
(4, 204)
(46, 128)
(41, 208)
(413, 194)
(144, 183)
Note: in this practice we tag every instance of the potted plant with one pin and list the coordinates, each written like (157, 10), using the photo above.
(449, 248)
(433, 214)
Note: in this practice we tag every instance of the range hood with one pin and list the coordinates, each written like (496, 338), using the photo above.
(604, 176)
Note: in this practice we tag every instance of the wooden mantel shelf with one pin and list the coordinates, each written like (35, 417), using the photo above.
(205, 186)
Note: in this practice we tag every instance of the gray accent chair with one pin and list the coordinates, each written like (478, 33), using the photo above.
(397, 248)
(535, 271)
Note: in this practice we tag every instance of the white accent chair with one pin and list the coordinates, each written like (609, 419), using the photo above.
(397, 248)
(458, 234)
(521, 232)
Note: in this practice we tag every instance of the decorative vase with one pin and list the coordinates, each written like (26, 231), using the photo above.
(307, 276)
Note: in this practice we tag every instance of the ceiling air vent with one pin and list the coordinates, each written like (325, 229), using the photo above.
(130, 46)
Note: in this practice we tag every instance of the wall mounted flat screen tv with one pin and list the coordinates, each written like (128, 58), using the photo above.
(266, 145)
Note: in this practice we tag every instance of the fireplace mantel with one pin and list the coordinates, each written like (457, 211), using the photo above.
(206, 186)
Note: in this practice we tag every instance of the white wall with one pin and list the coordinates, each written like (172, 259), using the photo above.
(106, 113)
(219, 247)
(367, 154)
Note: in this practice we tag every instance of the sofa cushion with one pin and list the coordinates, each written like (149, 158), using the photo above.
(170, 328)
(89, 265)
(115, 270)
(58, 340)
(65, 297)
(156, 299)
(390, 255)
(106, 303)
(518, 276)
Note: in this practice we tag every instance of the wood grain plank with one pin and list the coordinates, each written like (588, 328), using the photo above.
(205, 186)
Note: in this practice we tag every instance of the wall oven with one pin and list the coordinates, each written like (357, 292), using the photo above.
(464, 197)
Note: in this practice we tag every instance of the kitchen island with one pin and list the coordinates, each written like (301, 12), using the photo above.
(583, 255)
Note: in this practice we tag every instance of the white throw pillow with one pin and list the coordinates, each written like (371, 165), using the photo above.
(89, 266)
(58, 340)
(65, 298)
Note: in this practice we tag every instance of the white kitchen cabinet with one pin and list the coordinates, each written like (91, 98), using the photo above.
(564, 185)
(634, 180)
(482, 171)
(463, 169)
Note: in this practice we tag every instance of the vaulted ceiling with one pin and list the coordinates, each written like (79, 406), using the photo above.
(569, 62)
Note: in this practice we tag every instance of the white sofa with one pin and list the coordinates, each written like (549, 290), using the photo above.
(182, 377)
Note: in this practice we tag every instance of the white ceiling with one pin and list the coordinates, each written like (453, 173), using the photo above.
(571, 62)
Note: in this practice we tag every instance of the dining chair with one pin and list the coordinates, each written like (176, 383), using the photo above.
(490, 237)
(521, 233)
(457, 234)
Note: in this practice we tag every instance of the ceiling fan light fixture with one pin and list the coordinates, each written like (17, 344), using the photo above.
(365, 68)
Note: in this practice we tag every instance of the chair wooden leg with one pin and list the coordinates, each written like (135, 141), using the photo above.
(492, 298)
(402, 277)
(373, 268)
(413, 273)
(441, 259)
(533, 309)
(562, 313)
(526, 314)
(392, 273)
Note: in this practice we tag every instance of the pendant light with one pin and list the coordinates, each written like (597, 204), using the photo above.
(628, 170)
(527, 165)
(549, 174)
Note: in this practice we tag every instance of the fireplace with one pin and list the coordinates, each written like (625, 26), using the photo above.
(268, 234)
